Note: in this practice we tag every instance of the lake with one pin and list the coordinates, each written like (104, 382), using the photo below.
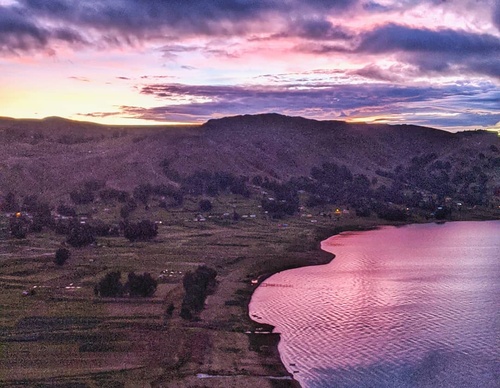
(412, 306)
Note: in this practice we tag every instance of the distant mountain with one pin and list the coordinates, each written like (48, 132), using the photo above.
(51, 157)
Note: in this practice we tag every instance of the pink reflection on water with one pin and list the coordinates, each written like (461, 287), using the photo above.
(391, 296)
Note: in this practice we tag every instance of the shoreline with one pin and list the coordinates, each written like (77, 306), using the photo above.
(217, 349)
(323, 257)
(313, 257)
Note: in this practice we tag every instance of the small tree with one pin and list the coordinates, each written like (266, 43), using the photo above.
(18, 228)
(62, 254)
(205, 205)
(141, 285)
(141, 231)
(110, 285)
(82, 196)
(170, 309)
(80, 235)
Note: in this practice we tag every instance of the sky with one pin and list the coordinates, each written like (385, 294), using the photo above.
(431, 62)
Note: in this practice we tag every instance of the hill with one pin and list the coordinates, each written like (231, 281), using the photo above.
(53, 156)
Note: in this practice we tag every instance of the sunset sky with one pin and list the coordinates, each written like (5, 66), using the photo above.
(429, 62)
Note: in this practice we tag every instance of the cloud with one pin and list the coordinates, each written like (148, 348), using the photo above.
(316, 28)
(496, 15)
(375, 72)
(421, 104)
(207, 17)
(80, 79)
(137, 17)
(21, 33)
(441, 51)
(395, 37)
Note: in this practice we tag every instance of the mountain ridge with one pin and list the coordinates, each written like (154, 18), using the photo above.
(53, 156)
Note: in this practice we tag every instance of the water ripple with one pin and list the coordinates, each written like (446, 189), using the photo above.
(398, 307)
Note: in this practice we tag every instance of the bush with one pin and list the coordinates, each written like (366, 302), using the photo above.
(82, 197)
(62, 254)
(113, 194)
(137, 285)
(110, 285)
(18, 228)
(67, 211)
(140, 285)
(80, 236)
(197, 286)
(142, 231)
(205, 205)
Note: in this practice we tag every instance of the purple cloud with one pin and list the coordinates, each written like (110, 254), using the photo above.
(472, 104)
(496, 15)
(441, 51)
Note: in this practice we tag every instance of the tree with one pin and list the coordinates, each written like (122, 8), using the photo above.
(140, 285)
(82, 197)
(94, 185)
(66, 210)
(143, 192)
(110, 285)
(170, 309)
(141, 231)
(197, 286)
(205, 205)
(62, 254)
(42, 217)
(80, 235)
(18, 228)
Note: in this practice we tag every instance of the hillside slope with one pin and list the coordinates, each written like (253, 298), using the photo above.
(53, 156)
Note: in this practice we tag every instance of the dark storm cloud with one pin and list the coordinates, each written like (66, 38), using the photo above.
(21, 33)
(211, 17)
(17, 33)
(394, 37)
(314, 28)
(441, 51)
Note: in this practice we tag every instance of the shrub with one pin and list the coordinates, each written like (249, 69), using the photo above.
(205, 205)
(62, 254)
(110, 285)
(137, 285)
(140, 285)
(18, 228)
(142, 231)
(80, 236)
(82, 197)
(197, 286)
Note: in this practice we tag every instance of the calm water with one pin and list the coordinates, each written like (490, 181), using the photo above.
(415, 306)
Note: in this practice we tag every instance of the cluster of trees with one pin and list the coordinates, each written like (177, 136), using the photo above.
(144, 192)
(137, 285)
(140, 231)
(212, 184)
(197, 285)
(87, 193)
(285, 200)
(20, 226)
(428, 173)
(77, 234)
(334, 184)
(80, 235)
